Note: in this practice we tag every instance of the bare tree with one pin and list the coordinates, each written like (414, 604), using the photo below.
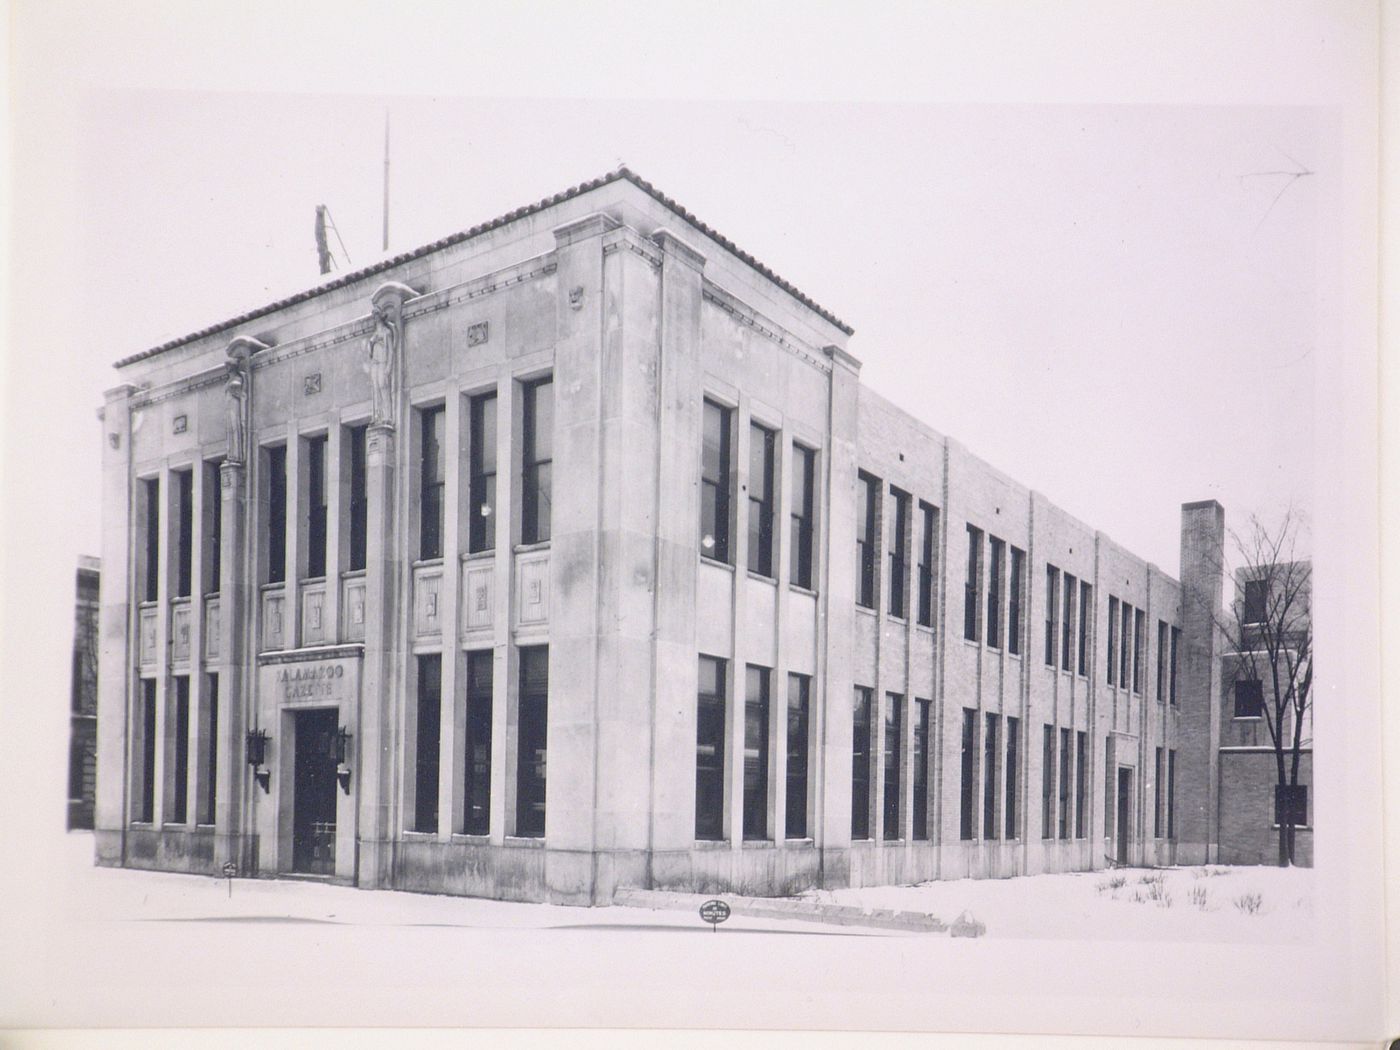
(1267, 630)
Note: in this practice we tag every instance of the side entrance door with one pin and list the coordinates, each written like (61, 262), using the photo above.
(1125, 801)
(313, 792)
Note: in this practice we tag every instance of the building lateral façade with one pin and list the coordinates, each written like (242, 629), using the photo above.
(569, 553)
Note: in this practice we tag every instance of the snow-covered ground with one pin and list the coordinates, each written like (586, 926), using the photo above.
(1213, 904)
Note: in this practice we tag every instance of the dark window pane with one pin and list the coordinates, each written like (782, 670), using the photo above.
(803, 505)
(920, 758)
(1086, 611)
(799, 689)
(431, 484)
(899, 578)
(709, 751)
(144, 809)
(715, 470)
(359, 502)
(1052, 610)
(1067, 628)
(476, 797)
(179, 809)
(1112, 662)
(927, 548)
(966, 810)
(1249, 699)
(537, 458)
(211, 750)
(1065, 758)
(1013, 771)
(425, 798)
(151, 511)
(972, 596)
(762, 445)
(867, 490)
(860, 764)
(1081, 760)
(214, 555)
(276, 460)
(998, 557)
(530, 762)
(184, 540)
(316, 507)
(1047, 785)
(894, 734)
(1256, 594)
(756, 753)
(989, 776)
(1013, 615)
(481, 528)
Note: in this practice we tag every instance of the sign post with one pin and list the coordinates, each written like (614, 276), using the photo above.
(714, 912)
(230, 870)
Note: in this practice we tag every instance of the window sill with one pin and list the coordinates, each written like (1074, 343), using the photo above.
(530, 548)
(865, 610)
(462, 839)
(1296, 827)
(1246, 718)
(705, 559)
(704, 844)
(428, 563)
(800, 843)
(306, 580)
(354, 574)
(757, 844)
(422, 836)
(486, 555)
(972, 643)
(927, 628)
(758, 577)
(797, 588)
(525, 841)
(265, 588)
(903, 621)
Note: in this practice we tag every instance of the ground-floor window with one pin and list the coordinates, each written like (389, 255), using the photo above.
(860, 764)
(145, 809)
(1081, 766)
(1157, 794)
(989, 776)
(179, 805)
(1171, 793)
(894, 739)
(709, 750)
(920, 799)
(1013, 762)
(532, 742)
(425, 794)
(756, 752)
(799, 704)
(476, 750)
(1047, 785)
(966, 824)
(1064, 782)
(211, 749)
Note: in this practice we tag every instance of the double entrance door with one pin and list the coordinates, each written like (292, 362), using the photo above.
(313, 792)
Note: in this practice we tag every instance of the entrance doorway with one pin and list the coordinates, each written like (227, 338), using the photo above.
(313, 792)
(1125, 801)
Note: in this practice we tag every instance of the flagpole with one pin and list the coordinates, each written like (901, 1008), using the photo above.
(386, 179)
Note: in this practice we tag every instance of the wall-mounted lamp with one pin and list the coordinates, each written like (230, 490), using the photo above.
(255, 747)
(342, 753)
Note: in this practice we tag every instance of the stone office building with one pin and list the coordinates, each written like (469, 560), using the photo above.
(569, 553)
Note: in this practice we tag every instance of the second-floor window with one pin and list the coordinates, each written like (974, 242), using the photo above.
(1249, 698)
(804, 477)
(972, 594)
(481, 463)
(715, 466)
(928, 541)
(1112, 663)
(537, 461)
(1067, 628)
(868, 491)
(1013, 613)
(431, 481)
(899, 577)
(1086, 612)
(997, 567)
(276, 461)
(316, 506)
(184, 538)
(1052, 610)
(359, 498)
(1256, 594)
(762, 443)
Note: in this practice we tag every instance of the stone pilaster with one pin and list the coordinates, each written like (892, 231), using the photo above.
(235, 609)
(1198, 681)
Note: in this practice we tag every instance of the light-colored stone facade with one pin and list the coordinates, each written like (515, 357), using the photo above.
(640, 314)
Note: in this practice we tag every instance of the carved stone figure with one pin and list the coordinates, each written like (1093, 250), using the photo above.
(384, 342)
(237, 390)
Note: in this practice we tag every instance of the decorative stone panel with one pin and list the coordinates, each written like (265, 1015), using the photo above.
(478, 594)
(352, 602)
(532, 589)
(427, 601)
(148, 636)
(313, 613)
(274, 628)
(180, 631)
(212, 623)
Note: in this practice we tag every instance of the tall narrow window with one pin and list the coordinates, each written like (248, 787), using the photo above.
(1013, 772)
(922, 710)
(1052, 611)
(1013, 613)
(1256, 594)
(997, 567)
(214, 534)
(756, 752)
(972, 595)
(359, 499)
(928, 540)
(804, 492)
(1066, 755)
(481, 465)
(867, 489)
(211, 749)
(150, 489)
(899, 578)
(432, 480)
(1081, 766)
(1086, 612)
(537, 462)
(530, 762)
(967, 811)
(179, 809)
(1161, 661)
(1112, 640)
(1125, 647)
(1047, 785)
(425, 794)
(276, 460)
(715, 466)
(184, 536)
(476, 795)
(1157, 785)
(1139, 631)
(1067, 628)
(146, 801)
(316, 506)
(798, 709)
(1171, 793)
(989, 776)
(860, 763)
(1176, 638)
(762, 443)
(709, 750)
(894, 772)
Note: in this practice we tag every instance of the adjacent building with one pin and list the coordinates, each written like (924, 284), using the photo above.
(569, 553)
